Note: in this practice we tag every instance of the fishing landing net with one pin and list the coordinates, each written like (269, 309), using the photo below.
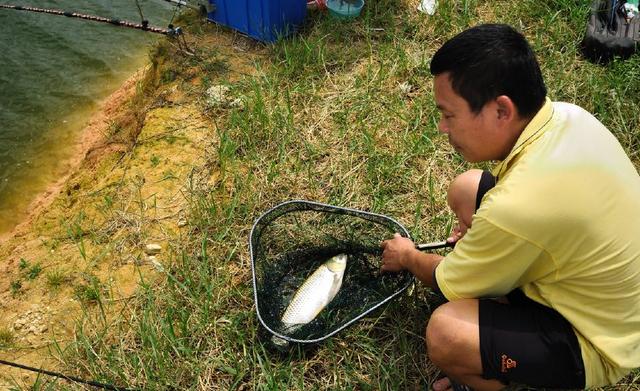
(289, 242)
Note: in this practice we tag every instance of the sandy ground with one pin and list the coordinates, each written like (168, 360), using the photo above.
(88, 232)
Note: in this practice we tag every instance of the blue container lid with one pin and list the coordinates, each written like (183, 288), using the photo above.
(345, 9)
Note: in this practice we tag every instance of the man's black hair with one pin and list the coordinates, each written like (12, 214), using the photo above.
(490, 60)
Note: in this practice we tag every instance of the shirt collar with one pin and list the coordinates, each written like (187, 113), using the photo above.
(534, 129)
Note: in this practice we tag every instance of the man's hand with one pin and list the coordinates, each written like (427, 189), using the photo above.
(401, 254)
(456, 234)
(397, 252)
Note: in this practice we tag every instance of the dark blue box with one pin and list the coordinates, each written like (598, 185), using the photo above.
(265, 20)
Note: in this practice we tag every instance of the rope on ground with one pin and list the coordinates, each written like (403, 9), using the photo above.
(117, 22)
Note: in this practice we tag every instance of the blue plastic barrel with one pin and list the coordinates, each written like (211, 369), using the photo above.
(265, 20)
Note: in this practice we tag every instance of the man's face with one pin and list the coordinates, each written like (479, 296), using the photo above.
(476, 136)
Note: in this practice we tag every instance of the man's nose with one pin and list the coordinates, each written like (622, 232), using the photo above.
(442, 127)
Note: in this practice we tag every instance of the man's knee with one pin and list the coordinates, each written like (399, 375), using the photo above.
(452, 333)
(440, 338)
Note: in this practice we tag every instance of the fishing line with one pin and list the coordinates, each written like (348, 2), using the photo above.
(105, 386)
(183, 3)
(175, 10)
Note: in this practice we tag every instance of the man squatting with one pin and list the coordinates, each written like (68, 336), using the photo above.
(555, 236)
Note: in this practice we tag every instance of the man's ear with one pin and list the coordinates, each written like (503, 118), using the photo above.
(506, 109)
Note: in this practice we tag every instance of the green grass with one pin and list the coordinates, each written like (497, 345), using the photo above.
(324, 120)
(31, 272)
(15, 287)
(23, 264)
(155, 160)
(89, 291)
(6, 338)
(56, 278)
(34, 271)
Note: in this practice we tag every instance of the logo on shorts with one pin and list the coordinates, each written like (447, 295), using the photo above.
(507, 363)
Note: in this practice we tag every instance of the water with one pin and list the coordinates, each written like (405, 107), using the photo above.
(54, 73)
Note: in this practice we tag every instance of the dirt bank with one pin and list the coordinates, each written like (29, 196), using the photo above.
(83, 249)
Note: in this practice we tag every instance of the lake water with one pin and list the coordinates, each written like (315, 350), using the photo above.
(54, 73)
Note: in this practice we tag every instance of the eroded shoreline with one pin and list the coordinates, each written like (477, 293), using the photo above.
(91, 137)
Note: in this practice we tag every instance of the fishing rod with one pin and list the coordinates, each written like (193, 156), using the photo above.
(104, 386)
(123, 23)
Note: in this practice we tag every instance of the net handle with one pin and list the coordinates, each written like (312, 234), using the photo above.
(434, 245)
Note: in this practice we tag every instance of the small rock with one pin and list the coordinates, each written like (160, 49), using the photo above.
(237, 104)
(43, 328)
(157, 265)
(428, 6)
(405, 87)
(217, 95)
(152, 249)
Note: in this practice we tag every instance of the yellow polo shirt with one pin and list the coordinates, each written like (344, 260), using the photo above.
(563, 224)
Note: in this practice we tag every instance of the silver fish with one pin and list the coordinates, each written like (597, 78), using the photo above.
(316, 292)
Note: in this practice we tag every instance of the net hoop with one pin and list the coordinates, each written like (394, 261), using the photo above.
(302, 205)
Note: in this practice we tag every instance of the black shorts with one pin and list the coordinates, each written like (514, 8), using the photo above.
(487, 182)
(525, 342)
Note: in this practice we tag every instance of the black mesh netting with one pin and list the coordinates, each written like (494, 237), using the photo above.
(293, 239)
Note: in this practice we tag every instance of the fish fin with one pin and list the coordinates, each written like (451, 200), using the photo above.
(337, 283)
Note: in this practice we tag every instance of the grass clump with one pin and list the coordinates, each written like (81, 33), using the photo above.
(34, 271)
(30, 271)
(87, 293)
(155, 160)
(6, 338)
(15, 287)
(23, 264)
(56, 278)
(90, 290)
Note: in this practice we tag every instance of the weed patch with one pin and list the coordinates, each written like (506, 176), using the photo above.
(6, 338)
